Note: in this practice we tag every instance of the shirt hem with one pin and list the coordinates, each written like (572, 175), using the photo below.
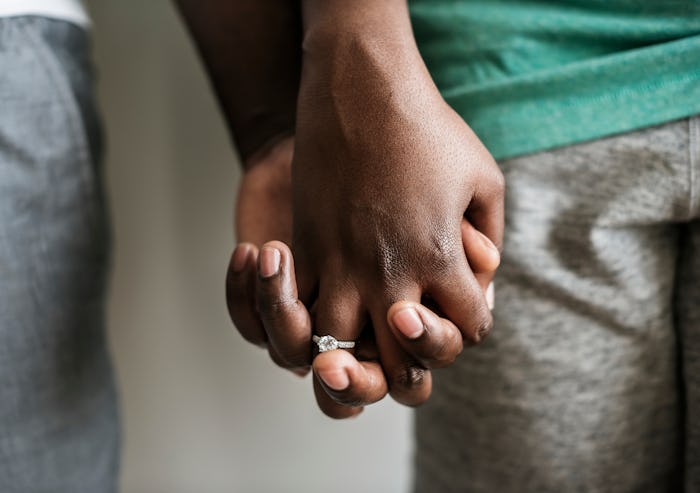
(622, 93)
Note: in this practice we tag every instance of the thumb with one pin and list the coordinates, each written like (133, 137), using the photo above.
(483, 258)
(482, 254)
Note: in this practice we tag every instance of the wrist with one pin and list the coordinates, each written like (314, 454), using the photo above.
(255, 135)
(362, 52)
(371, 35)
(326, 22)
(275, 153)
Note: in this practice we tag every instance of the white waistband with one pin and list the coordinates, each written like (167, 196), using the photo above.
(68, 10)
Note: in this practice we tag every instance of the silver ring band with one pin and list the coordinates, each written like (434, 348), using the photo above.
(329, 343)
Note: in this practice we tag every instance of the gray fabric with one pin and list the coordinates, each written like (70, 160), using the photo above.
(590, 381)
(58, 421)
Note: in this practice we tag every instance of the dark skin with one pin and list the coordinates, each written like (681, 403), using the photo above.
(266, 307)
(393, 170)
(250, 49)
(383, 176)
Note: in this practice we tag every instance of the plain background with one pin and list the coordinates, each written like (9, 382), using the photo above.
(203, 411)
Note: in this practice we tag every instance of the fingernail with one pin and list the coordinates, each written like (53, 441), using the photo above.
(485, 239)
(490, 296)
(409, 323)
(240, 255)
(335, 379)
(269, 261)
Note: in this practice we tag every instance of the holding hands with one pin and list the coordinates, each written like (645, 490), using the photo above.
(380, 222)
(266, 305)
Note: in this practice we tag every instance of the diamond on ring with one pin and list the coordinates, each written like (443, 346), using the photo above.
(329, 343)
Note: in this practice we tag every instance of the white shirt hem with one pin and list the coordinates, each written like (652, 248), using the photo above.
(68, 10)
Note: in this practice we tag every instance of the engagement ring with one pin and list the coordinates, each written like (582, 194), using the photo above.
(329, 343)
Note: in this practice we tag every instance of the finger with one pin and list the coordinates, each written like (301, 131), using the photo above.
(240, 294)
(410, 383)
(483, 257)
(347, 382)
(461, 300)
(482, 254)
(366, 348)
(286, 320)
(435, 342)
(331, 408)
(306, 273)
(485, 212)
(338, 311)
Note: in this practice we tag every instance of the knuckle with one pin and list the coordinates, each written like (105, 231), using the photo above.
(447, 349)
(390, 266)
(443, 249)
(273, 309)
(499, 182)
(407, 378)
(481, 327)
(435, 254)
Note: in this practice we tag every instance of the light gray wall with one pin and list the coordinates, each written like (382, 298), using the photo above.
(203, 411)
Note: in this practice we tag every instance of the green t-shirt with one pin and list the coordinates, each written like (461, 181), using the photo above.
(532, 75)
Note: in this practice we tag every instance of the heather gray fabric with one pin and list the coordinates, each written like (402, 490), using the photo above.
(590, 381)
(58, 422)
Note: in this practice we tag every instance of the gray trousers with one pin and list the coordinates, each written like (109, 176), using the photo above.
(590, 381)
(58, 421)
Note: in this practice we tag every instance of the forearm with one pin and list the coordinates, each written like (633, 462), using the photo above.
(251, 50)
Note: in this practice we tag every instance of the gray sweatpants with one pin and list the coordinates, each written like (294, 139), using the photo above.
(590, 381)
(58, 422)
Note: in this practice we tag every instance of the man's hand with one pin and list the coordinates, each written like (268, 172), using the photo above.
(384, 173)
